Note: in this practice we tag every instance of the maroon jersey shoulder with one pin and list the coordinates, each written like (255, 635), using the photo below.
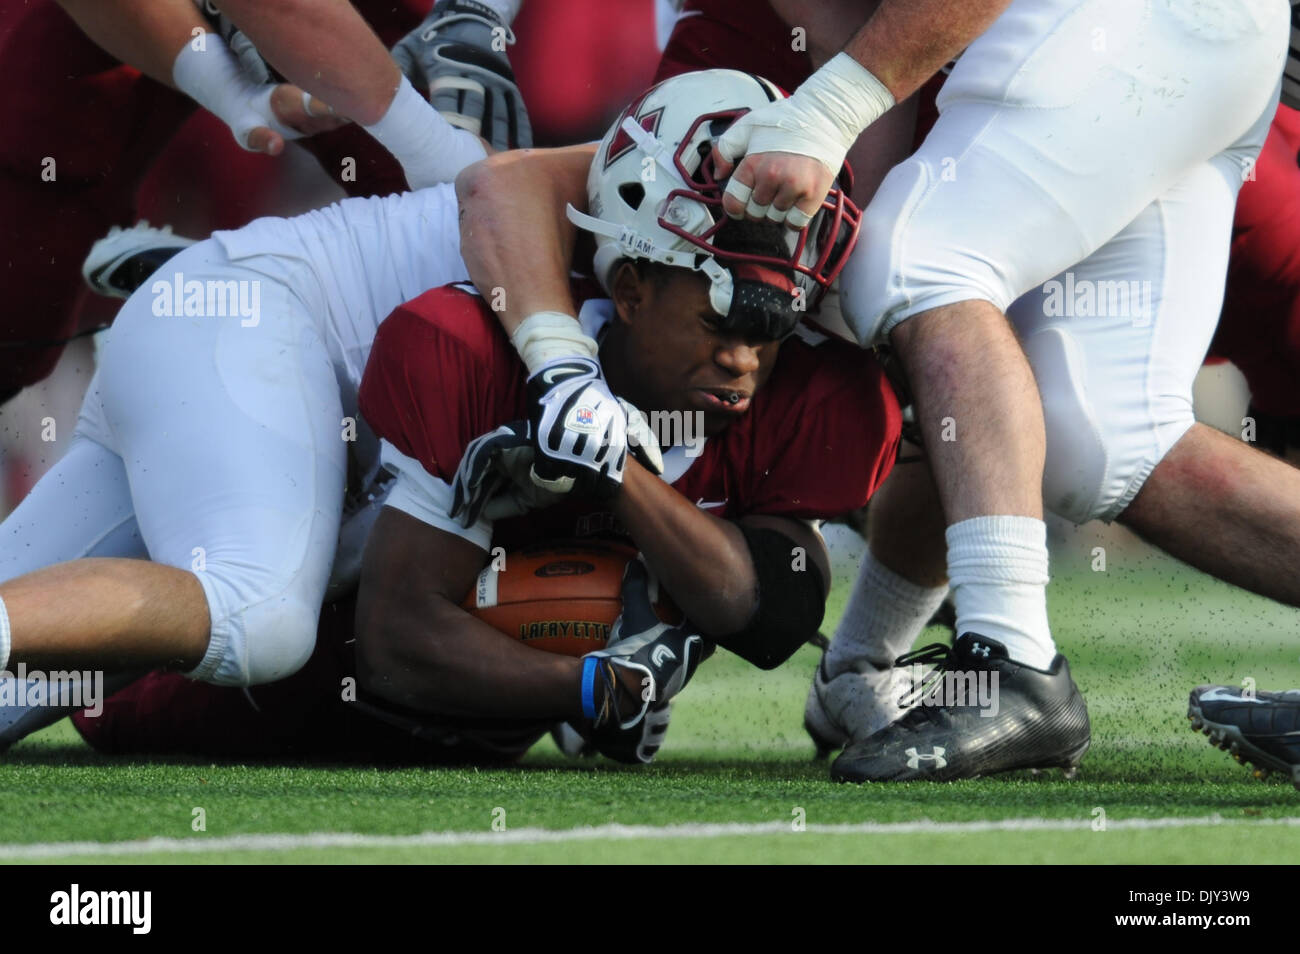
(441, 372)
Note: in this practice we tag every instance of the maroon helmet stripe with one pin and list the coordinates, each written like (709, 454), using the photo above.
(622, 143)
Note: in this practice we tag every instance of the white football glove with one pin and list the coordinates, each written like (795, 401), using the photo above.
(582, 432)
(661, 657)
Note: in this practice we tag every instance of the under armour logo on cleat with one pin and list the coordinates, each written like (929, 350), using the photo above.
(979, 649)
(661, 655)
(914, 758)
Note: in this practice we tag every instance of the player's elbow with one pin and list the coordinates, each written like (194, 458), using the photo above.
(397, 660)
(381, 634)
(480, 182)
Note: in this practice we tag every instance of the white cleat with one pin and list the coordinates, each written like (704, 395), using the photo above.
(18, 721)
(51, 702)
(120, 262)
(853, 705)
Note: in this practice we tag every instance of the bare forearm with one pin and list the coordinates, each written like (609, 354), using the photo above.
(146, 34)
(513, 232)
(701, 560)
(829, 24)
(445, 661)
(907, 41)
(324, 47)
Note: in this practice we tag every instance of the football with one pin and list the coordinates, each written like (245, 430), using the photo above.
(561, 598)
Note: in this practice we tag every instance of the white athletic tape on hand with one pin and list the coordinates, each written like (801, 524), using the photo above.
(797, 218)
(212, 78)
(260, 104)
(756, 211)
(738, 191)
(821, 119)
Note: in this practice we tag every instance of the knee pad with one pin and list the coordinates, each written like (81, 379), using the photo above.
(261, 640)
(1098, 454)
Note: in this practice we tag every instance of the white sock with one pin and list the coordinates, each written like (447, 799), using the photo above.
(882, 619)
(4, 637)
(998, 571)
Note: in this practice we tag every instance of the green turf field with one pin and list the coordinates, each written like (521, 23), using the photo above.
(735, 778)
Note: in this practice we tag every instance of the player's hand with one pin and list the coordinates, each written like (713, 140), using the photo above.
(297, 110)
(794, 148)
(458, 55)
(671, 653)
(582, 432)
(786, 170)
(493, 479)
(645, 663)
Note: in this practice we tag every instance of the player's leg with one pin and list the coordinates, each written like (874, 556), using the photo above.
(1225, 508)
(1037, 159)
(74, 569)
(979, 216)
(81, 508)
(1115, 344)
(856, 688)
(235, 454)
(315, 713)
(1118, 396)
(1250, 535)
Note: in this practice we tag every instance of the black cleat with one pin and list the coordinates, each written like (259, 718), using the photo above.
(977, 713)
(1260, 729)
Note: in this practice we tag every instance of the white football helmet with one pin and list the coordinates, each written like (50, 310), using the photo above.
(652, 194)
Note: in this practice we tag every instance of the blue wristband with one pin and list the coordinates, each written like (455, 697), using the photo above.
(589, 665)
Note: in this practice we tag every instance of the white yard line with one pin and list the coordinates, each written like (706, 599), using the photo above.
(533, 836)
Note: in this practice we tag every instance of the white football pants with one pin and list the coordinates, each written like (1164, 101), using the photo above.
(1081, 177)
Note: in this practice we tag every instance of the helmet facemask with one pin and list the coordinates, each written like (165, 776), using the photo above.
(635, 165)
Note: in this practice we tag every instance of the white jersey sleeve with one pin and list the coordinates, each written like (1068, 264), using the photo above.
(353, 262)
(425, 497)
